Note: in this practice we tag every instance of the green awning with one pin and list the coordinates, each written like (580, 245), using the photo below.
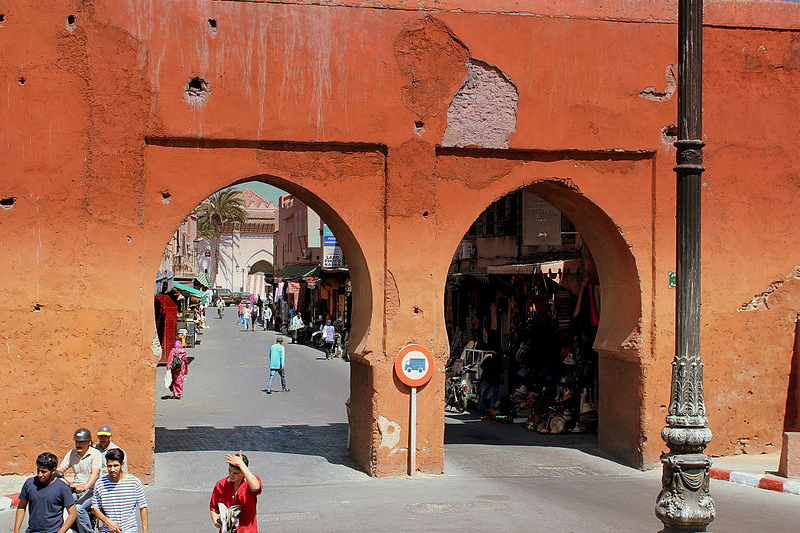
(202, 279)
(190, 290)
(300, 271)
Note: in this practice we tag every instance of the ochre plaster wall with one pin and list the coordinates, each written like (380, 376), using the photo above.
(103, 157)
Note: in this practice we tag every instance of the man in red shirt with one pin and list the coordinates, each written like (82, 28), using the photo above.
(242, 488)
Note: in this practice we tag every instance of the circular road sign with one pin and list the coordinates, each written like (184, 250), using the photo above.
(414, 365)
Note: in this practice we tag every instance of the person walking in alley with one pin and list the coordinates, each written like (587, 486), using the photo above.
(240, 311)
(246, 317)
(117, 496)
(295, 326)
(491, 377)
(255, 312)
(329, 336)
(86, 463)
(241, 487)
(45, 500)
(277, 362)
(267, 317)
(178, 364)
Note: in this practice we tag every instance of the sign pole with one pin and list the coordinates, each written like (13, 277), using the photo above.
(412, 447)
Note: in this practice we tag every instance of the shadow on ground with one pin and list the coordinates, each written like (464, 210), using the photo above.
(328, 442)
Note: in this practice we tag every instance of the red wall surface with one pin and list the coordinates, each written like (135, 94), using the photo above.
(104, 155)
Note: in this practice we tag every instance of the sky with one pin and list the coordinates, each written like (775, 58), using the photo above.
(267, 192)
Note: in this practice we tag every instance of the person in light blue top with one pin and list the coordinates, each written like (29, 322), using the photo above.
(277, 363)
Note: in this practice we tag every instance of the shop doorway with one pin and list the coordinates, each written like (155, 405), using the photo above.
(217, 397)
(535, 303)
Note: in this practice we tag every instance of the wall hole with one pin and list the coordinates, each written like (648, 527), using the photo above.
(165, 197)
(129, 238)
(419, 127)
(425, 214)
(212, 27)
(8, 203)
(71, 20)
(2, 18)
(417, 310)
(212, 23)
(21, 80)
(196, 91)
(669, 134)
(37, 308)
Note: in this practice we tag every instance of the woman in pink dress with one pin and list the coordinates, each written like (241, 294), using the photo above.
(179, 369)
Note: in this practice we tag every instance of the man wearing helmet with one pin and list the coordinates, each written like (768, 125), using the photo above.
(104, 444)
(86, 463)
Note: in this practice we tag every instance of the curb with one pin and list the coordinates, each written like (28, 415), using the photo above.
(9, 501)
(759, 481)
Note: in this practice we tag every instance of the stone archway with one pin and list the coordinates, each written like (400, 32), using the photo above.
(260, 266)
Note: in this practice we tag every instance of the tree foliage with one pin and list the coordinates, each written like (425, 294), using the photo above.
(219, 209)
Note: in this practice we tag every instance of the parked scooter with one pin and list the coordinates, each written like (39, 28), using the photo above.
(459, 389)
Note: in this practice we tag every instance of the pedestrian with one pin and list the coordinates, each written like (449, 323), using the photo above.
(103, 445)
(45, 499)
(295, 326)
(117, 497)
(86, 463)
(240, 309)
(178, 365)
(254, 314)
(277, 364)
(220, 308)
(329, 336)
(491, 377)
(241, 487)
(267, 319)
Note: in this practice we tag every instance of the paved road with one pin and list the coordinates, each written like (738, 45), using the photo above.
(499, 478)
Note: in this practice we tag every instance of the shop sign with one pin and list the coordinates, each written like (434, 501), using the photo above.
(332, 256)
(541, 221)
(207, 253)
(672, 280)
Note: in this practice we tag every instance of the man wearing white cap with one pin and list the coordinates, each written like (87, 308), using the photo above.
(104, 444)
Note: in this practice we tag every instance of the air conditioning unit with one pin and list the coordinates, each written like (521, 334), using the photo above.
(467, 250)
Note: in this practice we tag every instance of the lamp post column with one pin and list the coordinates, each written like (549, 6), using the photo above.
(684, 504)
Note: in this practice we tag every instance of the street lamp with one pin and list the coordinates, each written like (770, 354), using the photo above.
(684, 504)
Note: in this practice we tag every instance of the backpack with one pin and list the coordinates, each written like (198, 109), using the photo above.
(177, 361)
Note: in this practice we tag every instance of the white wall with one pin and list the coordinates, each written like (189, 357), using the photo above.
(238, 252)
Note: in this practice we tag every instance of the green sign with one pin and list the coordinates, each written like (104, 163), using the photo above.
(672, 281)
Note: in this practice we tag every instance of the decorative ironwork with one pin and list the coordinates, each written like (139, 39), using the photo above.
(684, 504)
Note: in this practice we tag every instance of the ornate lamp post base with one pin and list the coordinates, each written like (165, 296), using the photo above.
(684, 504)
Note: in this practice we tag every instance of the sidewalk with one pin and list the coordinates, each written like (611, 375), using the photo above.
(754, 470)
(9, 488)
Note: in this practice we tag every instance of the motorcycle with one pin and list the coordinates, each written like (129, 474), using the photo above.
(459, 389)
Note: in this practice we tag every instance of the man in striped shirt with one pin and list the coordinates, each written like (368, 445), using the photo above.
(117, 497)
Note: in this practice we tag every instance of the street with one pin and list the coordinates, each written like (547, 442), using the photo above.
(499, 477)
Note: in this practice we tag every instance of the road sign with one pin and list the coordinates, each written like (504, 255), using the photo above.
(414, 365)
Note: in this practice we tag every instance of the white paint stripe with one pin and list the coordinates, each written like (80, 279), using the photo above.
(5, 503)
(792, 487)
(745, 479)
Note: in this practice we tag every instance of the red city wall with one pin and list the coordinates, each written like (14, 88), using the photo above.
(104, 154)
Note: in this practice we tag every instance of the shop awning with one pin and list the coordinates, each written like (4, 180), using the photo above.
(529, 268)
(300, 271)
(185, 288)
(202, 279)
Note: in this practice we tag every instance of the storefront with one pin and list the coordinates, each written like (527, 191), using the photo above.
(525, 333)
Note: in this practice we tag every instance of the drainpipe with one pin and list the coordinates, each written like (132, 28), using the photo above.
(684, 504)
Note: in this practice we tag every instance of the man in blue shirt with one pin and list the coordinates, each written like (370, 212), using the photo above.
(277, 360)
(46, 498)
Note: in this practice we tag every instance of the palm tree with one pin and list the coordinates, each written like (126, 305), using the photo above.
(217, 210)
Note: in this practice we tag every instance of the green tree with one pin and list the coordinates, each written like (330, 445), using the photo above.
(217, 210)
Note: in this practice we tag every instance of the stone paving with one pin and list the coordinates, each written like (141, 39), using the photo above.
(499, 477)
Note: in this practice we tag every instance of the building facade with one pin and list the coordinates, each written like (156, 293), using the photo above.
(181, 253)
(246, 250)
(399, 133)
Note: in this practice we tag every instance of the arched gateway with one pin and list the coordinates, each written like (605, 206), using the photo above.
(377, 119)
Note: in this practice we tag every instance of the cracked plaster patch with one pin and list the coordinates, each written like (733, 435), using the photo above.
(761, 301)
(484, 110)
(390, 432)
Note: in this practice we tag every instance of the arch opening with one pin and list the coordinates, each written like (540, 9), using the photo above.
(276, 253)
(543, 310)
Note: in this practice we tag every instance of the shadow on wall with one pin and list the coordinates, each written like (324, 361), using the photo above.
(328, 442)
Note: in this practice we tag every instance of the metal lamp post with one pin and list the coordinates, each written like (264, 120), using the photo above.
(684, 504)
